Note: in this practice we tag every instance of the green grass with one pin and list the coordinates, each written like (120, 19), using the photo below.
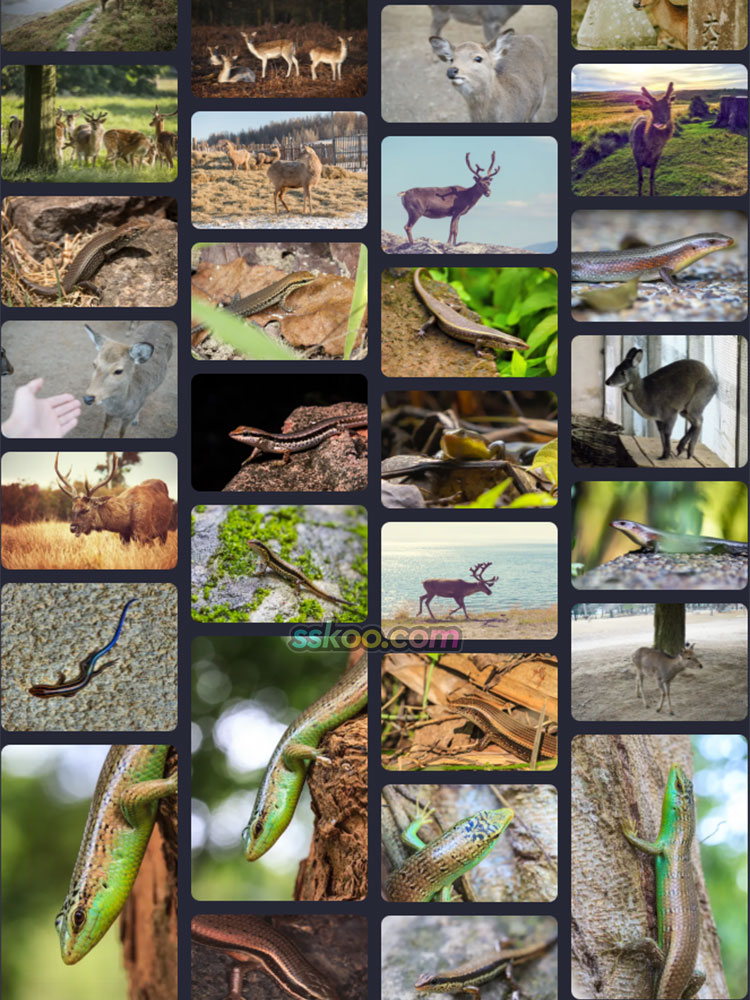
(141, 26)
(124, 111)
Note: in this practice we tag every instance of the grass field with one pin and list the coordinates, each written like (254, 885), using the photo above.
(220, 192)
(697, 160)
(124, 111)
(50, 545)
(140, 26)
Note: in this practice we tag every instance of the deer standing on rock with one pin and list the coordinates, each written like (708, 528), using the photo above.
(441, 202)
(459, 590)
(648, 138)
(664, 668)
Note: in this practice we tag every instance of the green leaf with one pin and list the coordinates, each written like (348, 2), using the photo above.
(533, 500)
(246, 338)
(541, 299)
(546, 460)
(551, 357)
(518, 365)
(487, 500)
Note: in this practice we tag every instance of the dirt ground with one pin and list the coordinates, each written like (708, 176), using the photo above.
(415, 88)
(603, 678)
(63, 354)
(515, 624)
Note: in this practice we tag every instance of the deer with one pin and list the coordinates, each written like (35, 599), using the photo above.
(128, 145)
(140, 513)
(503, 81)
(166, 142)
(683, 388)
(125, 375)
(280, 48)
(302, 173)
(238, 157)
(664, 668)
(332, 57)
(648, 138)
(15, 133)
(229, 73)
(459, 590)
(6, 368)
(263, 159)
(491, 17)
(670, 19)
(440, 202)
(86, 140)
(214, 56)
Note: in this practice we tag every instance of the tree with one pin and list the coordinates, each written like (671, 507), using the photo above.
(40, 91)
(669, 628)
(698, 108)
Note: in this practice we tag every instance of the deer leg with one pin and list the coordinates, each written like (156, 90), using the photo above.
(460, 601)
(640, 179)
(639, 688)
(281, 198)
(664, 692)
(665, 428)
(651, 182)
(691, 435)
(408, 228)
(427, 605)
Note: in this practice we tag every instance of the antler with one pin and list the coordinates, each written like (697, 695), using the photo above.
(649, 97)
(670, 88)
(474, 170)
(111, 460)
(490, 172)
(63, 483)
(481, 567)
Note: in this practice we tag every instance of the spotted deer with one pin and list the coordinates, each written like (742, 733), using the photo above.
(230, 73)
(279, 48)
(15, 133)
(86, 140)
(166, 142)
(331, 57)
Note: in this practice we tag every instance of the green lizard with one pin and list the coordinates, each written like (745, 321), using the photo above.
(121, 818)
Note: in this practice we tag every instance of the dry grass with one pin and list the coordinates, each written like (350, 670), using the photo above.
(50, 545)
(220, 191)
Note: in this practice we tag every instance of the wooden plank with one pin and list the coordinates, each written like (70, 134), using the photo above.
(644, 453)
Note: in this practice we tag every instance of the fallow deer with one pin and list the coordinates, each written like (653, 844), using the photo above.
(279, 48)
(166, 142)
(331, 57)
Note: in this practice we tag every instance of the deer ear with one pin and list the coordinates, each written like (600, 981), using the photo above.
(97, 339)
(635, 354)
(441, 47)
(642, 103)
(140, 353)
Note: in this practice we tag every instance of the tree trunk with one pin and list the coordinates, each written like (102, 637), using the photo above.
(40, 91)
(336, 867)
(669, 628)
(613, 779)
(148, 926)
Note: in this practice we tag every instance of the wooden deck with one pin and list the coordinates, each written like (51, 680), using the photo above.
(644, 453)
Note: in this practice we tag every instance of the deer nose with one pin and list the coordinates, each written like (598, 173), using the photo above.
(88, 400)
(452, 72)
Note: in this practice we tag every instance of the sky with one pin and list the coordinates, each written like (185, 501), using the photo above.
(521, 209)
(633, 76)
(206, 123)
(38, 467)
(433, 533)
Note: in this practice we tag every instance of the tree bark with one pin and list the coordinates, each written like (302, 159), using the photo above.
(336, 867)
(148, 927)
(669, 628)
(40, 90)
(613, 779)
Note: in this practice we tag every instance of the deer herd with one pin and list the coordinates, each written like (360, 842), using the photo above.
(87, 139)
(277, 48)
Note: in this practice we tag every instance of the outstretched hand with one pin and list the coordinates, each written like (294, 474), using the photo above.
(30, 417)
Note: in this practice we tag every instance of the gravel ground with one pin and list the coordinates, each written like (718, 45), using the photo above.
(661, 571)
(293, 221)
(50, 627)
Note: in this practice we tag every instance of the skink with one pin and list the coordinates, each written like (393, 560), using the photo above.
(121, 818)
(467, 978)
(657, 263)
(435, 866)
(300, 440)
(677, 907)
(499, 727)
(462, 328)
(653, 540)
(68, 688)
(269, 560)
(88, 260)
(285, 774)
(249, 940)
(258, 301)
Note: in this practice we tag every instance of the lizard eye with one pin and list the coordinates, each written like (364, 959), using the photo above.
(258, 829)
(79, 919)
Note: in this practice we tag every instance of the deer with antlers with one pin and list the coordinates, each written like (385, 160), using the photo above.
(459, 590)
(440, 202)
(166, 142)
(648, 138)
(140, 513)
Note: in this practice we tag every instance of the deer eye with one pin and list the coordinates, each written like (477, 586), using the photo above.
(118, 371)
(477, 58)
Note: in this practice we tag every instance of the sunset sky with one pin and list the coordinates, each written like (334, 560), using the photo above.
(633, 76)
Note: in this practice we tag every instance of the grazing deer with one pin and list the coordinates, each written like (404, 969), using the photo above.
(459, 590)
(125, 375)
(280, 48)
(166, 142)
(664, 668)
(491, 17)
(6, 368)
(229, 73)
(238, 157)
(302, 173)
(86, 140)
(670, 19)
(214, 56)
(440, 202)
(332, 57)
(128, 145)
(683, 388)
(648, 138)
(503, 81)
(15, 133)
